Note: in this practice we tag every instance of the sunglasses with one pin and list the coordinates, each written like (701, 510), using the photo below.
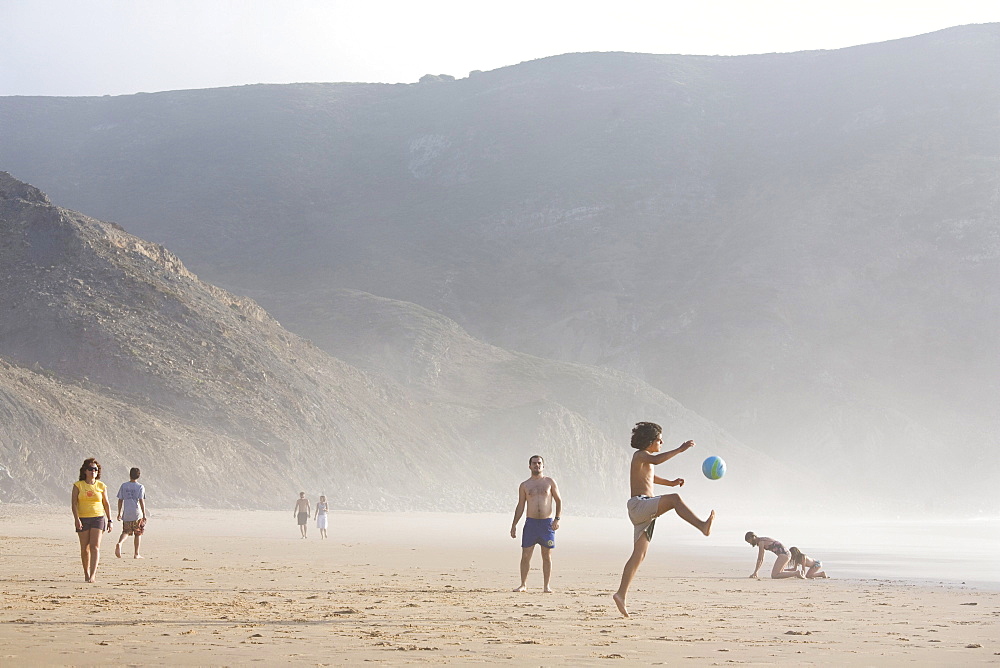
(93, 468)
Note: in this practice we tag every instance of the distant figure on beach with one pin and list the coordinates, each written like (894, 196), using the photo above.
(763, 543)
(322, 508)
(812, 568)
(643, 507)
(537, 494)
(131, 512)
(302, 512)
(91, 514)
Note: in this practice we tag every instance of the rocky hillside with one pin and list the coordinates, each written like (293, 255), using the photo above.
(112, 348)
(801, 247)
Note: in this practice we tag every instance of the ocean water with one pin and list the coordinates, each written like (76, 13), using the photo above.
(928, 551)
(941, 551)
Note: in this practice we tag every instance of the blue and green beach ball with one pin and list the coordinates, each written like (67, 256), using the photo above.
(713, 468)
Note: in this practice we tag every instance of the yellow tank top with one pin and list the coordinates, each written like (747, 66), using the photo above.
(90, 498)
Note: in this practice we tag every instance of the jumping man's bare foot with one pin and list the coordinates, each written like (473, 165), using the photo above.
(708, 524)
(521, 588)
(620, 602)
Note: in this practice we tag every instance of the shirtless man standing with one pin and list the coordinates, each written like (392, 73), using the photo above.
(302, 512)
(643, 507)
(537, 493)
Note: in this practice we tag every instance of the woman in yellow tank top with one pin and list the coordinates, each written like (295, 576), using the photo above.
(91, 513)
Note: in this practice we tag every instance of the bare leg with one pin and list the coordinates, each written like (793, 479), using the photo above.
(546, 568)
(94, 542)
(526, 553)
(674, 502)
(815, 572)
(118, 545)
(778, 571)
(631, 568)
(136, 541)
(85, 553)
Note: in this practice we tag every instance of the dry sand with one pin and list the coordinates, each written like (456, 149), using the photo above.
(233, 588)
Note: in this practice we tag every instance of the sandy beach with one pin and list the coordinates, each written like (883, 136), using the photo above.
(220, 587)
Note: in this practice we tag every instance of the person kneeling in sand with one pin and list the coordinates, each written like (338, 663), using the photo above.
(537, 494)
(643, 507)
(812, 568)
(763, 543)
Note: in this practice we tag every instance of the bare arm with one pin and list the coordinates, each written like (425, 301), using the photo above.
(107, 508)
(522, 500)
(558, 500)
(74, 503)
(142, 504)
(121, 503)
(760, 560)
(679, 482)
(661, 457)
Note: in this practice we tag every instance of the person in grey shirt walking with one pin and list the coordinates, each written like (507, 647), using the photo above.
(131, 512)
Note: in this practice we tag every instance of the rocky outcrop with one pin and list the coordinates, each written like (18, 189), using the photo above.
(111, 348)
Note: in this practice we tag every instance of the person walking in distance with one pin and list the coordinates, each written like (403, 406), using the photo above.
(322, 512)
(302, 512)
(131, 512)
(91, 515)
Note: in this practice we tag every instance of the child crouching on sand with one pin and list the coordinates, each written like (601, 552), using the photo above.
(811, 567)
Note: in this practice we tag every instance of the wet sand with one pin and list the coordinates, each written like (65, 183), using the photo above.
(234, 588)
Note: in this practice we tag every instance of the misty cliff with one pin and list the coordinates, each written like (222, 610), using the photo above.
(110, 347)
(124, 354)
(801, 247)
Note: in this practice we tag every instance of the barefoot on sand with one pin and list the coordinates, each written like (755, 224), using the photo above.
(521, 588)
(708, 524)
(118, 550)
(620, 602)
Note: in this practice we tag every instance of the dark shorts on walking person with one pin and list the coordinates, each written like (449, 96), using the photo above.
(88, 523)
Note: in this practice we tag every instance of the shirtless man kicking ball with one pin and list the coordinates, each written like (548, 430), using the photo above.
(537, 494)
(643, 507)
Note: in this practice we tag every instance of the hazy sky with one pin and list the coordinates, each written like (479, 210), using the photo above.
(97, 47)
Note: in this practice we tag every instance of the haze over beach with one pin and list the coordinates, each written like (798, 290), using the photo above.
(776, 233)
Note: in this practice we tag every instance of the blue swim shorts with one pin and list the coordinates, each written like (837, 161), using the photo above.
(538, 532)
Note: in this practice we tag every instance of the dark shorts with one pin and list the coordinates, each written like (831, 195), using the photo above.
(538, 532)
(92, 523)
(303, 518)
